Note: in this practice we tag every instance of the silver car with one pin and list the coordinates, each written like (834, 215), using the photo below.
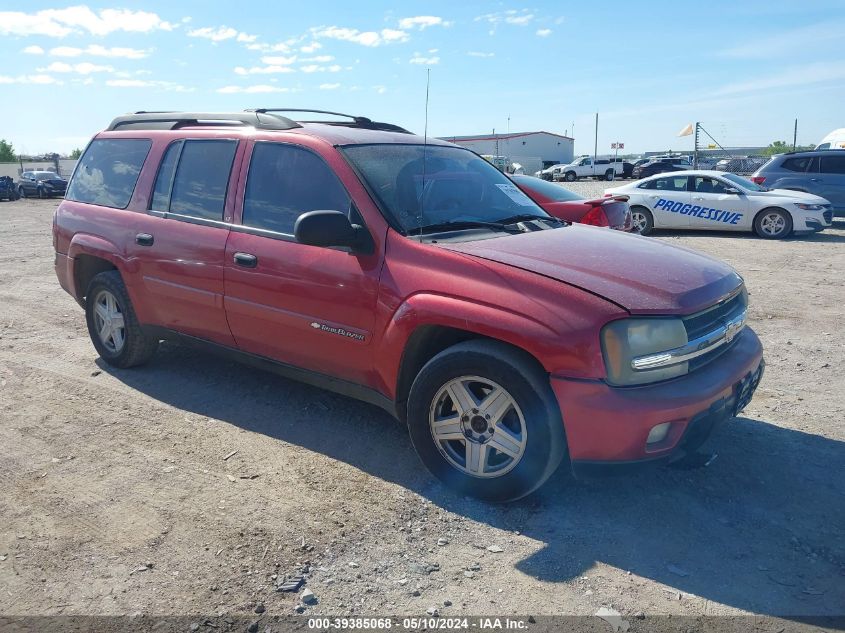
(820, 172)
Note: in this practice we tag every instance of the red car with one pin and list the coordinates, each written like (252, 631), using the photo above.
(558, 201)
(413, 275)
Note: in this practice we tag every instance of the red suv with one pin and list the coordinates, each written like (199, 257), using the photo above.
(411, 274)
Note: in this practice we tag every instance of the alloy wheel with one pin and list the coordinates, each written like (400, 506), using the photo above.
(109, 321)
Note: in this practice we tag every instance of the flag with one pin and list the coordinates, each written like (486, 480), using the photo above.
(687, 130)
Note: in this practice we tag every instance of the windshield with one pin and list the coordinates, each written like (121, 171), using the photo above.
(743, 182)
(450, 185)
(549, 190)
(46, 175)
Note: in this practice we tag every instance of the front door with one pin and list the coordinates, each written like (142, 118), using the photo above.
(714, 208)
(306, 306)
(179, 245)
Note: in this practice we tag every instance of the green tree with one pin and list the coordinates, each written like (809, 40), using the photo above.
(781, 147)
(7, 152)
(75, 154)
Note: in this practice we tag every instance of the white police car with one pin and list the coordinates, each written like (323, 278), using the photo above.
(717, 201)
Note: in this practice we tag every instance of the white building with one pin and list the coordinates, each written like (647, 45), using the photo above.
(532, 150)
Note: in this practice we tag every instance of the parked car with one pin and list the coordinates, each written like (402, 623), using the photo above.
(819, 172)
(740, 165)
(409, 274)
(717, 201)
(583, 167)
(659, 166)
(566, 205)
(8, 190)
(43, 184)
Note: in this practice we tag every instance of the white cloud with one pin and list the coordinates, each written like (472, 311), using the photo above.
(78, 19)
(279, 61)
(320, 59)
(33, 50)
(314, 68)
(426, 61)
(512, 16)
(142, 83)
(95, 50)
(221, 34)
(280, 47)
(422, 22)
(364, 38)
(480, 54)
(768, 46)
(544, 32)
(329, 86)
(29, 79)
(380, 89)
(261, 88)
(789, 77)
(263, 70)
(84, 68)
(310, 48)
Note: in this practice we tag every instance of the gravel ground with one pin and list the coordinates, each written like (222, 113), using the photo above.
(194, 485)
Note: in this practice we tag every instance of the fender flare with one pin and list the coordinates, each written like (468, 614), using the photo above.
(94, 246)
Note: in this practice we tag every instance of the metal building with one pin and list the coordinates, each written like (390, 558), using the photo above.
(533, 150)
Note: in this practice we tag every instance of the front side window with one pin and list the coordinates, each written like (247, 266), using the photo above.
(708, 185)
(108, 171)
(198, 186)
(421, 185)
(833, 164)
(286, 181)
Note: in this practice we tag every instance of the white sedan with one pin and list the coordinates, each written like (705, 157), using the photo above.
(718, 201)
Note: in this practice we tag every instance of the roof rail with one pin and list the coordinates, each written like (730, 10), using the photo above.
(175, 120)
(357, 121)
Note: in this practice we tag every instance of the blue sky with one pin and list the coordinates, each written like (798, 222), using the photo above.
(744, 69)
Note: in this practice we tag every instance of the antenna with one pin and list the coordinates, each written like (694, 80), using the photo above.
(425, 150)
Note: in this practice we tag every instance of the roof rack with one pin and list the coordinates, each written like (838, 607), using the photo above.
(174, 120)
(357, 121)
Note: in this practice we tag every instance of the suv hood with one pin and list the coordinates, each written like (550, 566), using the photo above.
(640, 274)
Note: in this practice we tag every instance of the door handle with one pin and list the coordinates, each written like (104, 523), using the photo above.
(144, 239)
(815, 179)
(698, 198)
(246, 260)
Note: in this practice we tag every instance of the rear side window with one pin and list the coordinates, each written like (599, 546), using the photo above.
(833, 164)
(193, 178)
(108, 172)
(286, 181)
(797, 164)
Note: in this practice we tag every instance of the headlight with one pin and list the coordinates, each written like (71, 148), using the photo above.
(627, 339)
(810, 207)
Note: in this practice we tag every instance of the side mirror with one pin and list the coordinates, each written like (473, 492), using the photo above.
(329, 228)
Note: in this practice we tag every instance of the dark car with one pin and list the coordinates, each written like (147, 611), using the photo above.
(43, 184)
(820, 172)
(659, 166)
(7, 188)
(740, 164)
(412, 274)
(612, 212)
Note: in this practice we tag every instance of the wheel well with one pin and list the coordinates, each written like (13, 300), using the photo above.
(85, 268)
(425, 343)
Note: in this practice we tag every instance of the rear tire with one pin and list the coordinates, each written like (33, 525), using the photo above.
(112, 324)
(773, 224)
(609, 175)
(21, 192)
(481, 396)
(643, 220)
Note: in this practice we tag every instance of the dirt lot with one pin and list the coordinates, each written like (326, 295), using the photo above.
(116, 497)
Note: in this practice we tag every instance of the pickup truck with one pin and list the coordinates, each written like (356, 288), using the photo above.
(583, 167)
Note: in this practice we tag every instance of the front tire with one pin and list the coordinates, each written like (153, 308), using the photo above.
(112, 324)
(483, 419)
(570, 176)
(642, 220)
(609, 175)
(773, 224)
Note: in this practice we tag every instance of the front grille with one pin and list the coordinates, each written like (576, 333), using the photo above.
(828, 216)
(712, 318)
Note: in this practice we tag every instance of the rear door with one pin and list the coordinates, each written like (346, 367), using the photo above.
(180, 243)
(831, 183)
(307, 306)
(667, 197)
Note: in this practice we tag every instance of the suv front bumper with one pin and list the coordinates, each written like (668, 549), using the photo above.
(607, 427)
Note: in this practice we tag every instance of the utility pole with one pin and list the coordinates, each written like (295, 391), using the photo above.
(596, 146)
(695, 149)
(795, 134)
